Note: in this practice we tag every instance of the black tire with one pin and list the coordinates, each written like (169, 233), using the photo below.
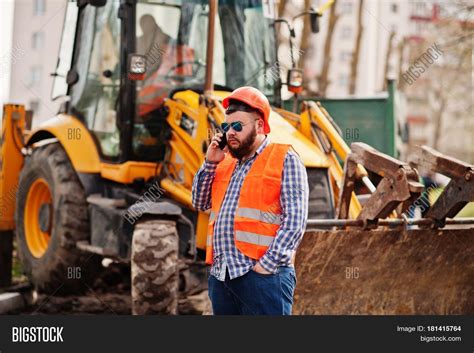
(155, 269)
(62, 268)
(321, 201)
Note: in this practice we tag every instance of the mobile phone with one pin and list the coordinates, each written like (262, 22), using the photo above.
(223, 142)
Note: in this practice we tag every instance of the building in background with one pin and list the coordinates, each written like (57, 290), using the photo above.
(394, 34)
(440, 99)
(37, 26)
(380, 21)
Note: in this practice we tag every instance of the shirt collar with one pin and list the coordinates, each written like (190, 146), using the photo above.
(265, 143)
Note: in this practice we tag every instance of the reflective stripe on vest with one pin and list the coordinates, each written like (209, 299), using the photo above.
(258, 215)
(253, 238)
(212, 216)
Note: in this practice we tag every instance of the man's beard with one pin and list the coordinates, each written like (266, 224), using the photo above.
(244, 147)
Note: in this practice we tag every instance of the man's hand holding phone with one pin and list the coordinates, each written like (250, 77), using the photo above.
(215, 153)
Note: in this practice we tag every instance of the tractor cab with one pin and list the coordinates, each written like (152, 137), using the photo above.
(119, 62)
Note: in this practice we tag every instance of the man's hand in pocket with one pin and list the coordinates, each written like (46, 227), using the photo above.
(259, 269)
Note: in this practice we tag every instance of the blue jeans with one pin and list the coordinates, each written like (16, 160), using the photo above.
(254, 293)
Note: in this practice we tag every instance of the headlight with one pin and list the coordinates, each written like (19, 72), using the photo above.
(295, 80)
(136, 67)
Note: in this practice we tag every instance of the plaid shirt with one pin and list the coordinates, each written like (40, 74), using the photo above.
(294, 203)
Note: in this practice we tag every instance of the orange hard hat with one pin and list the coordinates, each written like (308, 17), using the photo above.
(254, 98)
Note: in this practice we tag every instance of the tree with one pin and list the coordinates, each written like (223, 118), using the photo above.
(387, 60)
(356, 52)
(306, 36)
(323, 79)
(281, 8)
(401, 55)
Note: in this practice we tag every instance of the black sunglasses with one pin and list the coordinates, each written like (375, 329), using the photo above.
(236, 125)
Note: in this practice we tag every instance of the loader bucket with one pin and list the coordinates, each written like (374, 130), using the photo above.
(389, 272)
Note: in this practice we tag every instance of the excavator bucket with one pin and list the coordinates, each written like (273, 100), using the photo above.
(385, 272)
(382, 262)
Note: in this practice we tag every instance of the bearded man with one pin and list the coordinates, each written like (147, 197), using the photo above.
(258, 195)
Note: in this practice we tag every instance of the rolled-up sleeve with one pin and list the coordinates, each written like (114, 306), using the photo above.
(294, 203)
(202, 184)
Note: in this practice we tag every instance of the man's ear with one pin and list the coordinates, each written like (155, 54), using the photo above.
(260, 126)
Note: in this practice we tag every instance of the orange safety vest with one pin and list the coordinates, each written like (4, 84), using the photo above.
(257, 217)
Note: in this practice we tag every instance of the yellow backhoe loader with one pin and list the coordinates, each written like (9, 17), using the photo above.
(141, 85)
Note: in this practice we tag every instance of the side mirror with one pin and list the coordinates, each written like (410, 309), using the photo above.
(72, 77)
(314, 20)
(136, 67)
(294, 80)
(97, 3)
